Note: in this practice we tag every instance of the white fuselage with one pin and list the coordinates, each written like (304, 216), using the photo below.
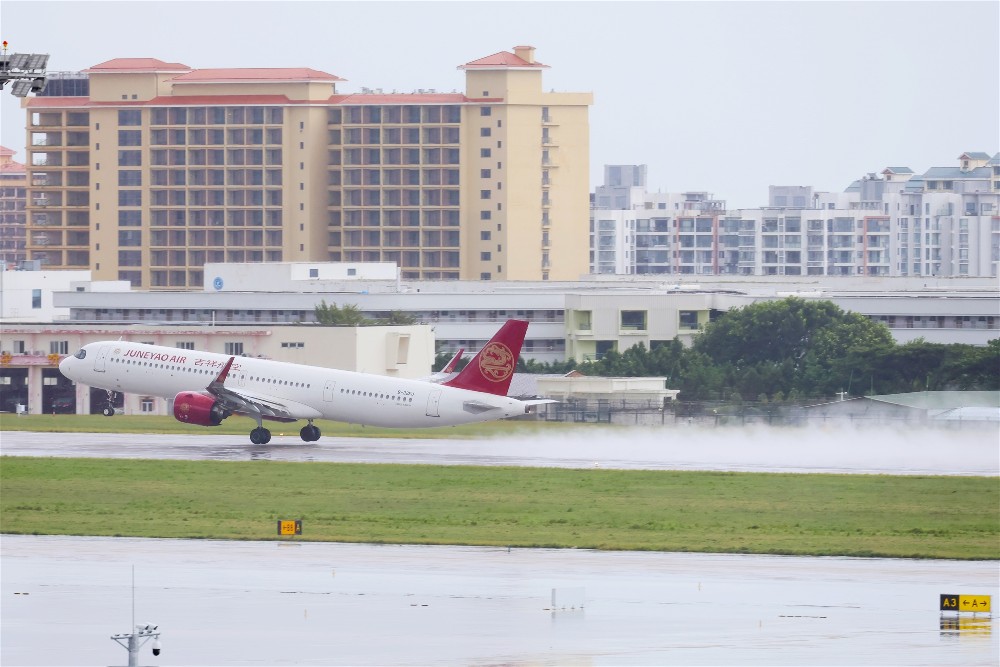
(309, 392)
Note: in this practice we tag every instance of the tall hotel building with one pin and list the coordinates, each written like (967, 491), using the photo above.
(144, 170)
(12, 209)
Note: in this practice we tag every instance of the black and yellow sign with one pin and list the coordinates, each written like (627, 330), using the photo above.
(289, 526)
(971, 603)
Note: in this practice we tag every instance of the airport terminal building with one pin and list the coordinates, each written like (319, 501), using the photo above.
(269, 310)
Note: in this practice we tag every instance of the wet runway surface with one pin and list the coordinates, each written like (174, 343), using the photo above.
(260, 603)
(879, 451)
(296, 603)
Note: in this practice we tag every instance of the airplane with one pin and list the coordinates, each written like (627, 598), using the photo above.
(207, 387)
(448, 369)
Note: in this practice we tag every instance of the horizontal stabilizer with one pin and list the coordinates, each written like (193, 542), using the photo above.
(476, 407)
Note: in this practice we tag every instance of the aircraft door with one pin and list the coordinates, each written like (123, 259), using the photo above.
(328, 390)
(434, 404)
(101, 358)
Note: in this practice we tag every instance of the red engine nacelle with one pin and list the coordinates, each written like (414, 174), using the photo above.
(192, 407)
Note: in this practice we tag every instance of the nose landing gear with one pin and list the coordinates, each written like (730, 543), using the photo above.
(109, 409)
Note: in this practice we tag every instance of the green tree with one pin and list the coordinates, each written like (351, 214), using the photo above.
(790, 344)
(346, 316)
(398, 318)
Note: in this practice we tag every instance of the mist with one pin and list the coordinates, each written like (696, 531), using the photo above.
(891, 450)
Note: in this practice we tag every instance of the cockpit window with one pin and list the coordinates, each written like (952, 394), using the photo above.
(81, 354)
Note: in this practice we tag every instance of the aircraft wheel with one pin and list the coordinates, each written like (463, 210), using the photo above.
(265, 436)
(260, 436)
(108, 412)
(309, 433)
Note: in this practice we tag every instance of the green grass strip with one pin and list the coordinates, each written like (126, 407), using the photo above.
(815, 514)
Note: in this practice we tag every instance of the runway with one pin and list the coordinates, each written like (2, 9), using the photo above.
(890, 451)
(288, 603)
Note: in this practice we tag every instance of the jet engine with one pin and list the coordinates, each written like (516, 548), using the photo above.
(193, 407)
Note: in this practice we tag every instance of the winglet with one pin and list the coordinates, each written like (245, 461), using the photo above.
(220, 379)
(491, 370)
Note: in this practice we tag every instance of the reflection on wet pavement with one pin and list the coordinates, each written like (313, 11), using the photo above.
(300, 603)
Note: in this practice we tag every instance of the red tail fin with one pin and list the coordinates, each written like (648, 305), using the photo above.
(450, 366)
(490, 371)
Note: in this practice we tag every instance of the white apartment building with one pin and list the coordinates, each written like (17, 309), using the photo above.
(943, 223)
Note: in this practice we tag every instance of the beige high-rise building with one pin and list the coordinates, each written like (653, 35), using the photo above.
(152, 169)
(13, 197)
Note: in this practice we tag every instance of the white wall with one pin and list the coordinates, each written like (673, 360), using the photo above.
(18, 289)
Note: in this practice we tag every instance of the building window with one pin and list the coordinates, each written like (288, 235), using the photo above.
(129, 138)
(129, 218)
(146, 405)
(485, 194)
(633, 320)
(130, 117)
(185, 345)
(484, 236)
(485, 256)
(485, 132)
(129, 158)
(485, 173)
(688, 319)
(293, 345)
(234, 348)
(130, 177)
(485, 111)
(485, 152)
(36, 298)
(485, 215)
(59, 347)
(130, 197)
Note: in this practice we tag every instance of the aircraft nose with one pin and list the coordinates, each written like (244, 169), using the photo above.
(64, 365)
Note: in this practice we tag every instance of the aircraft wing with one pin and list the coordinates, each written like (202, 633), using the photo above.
(250, 404)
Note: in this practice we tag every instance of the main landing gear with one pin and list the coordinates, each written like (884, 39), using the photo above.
(260, 436)
(310, 432)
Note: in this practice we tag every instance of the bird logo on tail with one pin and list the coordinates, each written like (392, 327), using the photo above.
(496, 362)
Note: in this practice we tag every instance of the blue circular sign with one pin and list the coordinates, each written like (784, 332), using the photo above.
(217, 283)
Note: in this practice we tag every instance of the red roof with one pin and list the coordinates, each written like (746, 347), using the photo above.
(57, 102)
(400, 98)
(137, 65)
(280, 74)
(503, 59)
(261, 100)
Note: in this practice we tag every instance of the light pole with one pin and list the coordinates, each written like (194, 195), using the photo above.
(26, 70)
(136, 640)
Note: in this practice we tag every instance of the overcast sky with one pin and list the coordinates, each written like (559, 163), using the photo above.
(724, 97)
